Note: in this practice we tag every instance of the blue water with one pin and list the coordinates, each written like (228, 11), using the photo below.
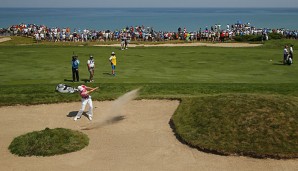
(161, 19)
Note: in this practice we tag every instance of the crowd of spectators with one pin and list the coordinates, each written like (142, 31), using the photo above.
(215, 33)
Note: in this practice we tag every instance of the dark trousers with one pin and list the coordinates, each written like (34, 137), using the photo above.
(75, 74)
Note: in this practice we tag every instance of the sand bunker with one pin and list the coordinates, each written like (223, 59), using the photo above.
(141, 140)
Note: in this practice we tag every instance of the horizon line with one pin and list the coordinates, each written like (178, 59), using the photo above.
(160, 7)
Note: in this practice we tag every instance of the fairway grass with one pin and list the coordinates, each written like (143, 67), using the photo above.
(43, 64)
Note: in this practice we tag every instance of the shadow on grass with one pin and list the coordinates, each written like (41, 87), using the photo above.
(67, 80)
(85, 80)
(106, 73)
(280, 63)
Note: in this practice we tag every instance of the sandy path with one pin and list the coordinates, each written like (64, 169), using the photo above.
(188, 44)
(142, 141)
(4, 39)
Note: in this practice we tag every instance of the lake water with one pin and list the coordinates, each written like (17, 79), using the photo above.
(161, 19)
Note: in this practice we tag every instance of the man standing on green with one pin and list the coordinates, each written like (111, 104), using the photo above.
(91, 66)
(113, 61)
(75, 68)
(291, 52)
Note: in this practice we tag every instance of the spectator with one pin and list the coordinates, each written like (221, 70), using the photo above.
(75, 68)
(91, 67)
(291, 52)
(286, 53)
(112, 59)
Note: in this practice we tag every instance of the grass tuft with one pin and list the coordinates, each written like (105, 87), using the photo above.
(48, 142)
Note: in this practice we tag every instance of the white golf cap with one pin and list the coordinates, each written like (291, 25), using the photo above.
(113, 53)
(80, 88)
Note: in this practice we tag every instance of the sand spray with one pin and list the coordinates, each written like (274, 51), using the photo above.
(113, 113)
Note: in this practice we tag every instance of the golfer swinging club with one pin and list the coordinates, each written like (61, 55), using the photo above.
(86, 98)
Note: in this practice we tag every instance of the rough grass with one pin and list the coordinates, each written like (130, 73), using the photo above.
(32, 94)
(243, 124)
(48, 142)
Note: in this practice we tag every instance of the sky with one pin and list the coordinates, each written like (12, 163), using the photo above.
(149, 3)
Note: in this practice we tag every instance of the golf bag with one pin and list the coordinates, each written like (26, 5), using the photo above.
(63, 88)
(289, 60)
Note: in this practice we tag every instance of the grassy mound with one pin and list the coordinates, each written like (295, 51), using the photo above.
(48, 142)
(242, 124)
